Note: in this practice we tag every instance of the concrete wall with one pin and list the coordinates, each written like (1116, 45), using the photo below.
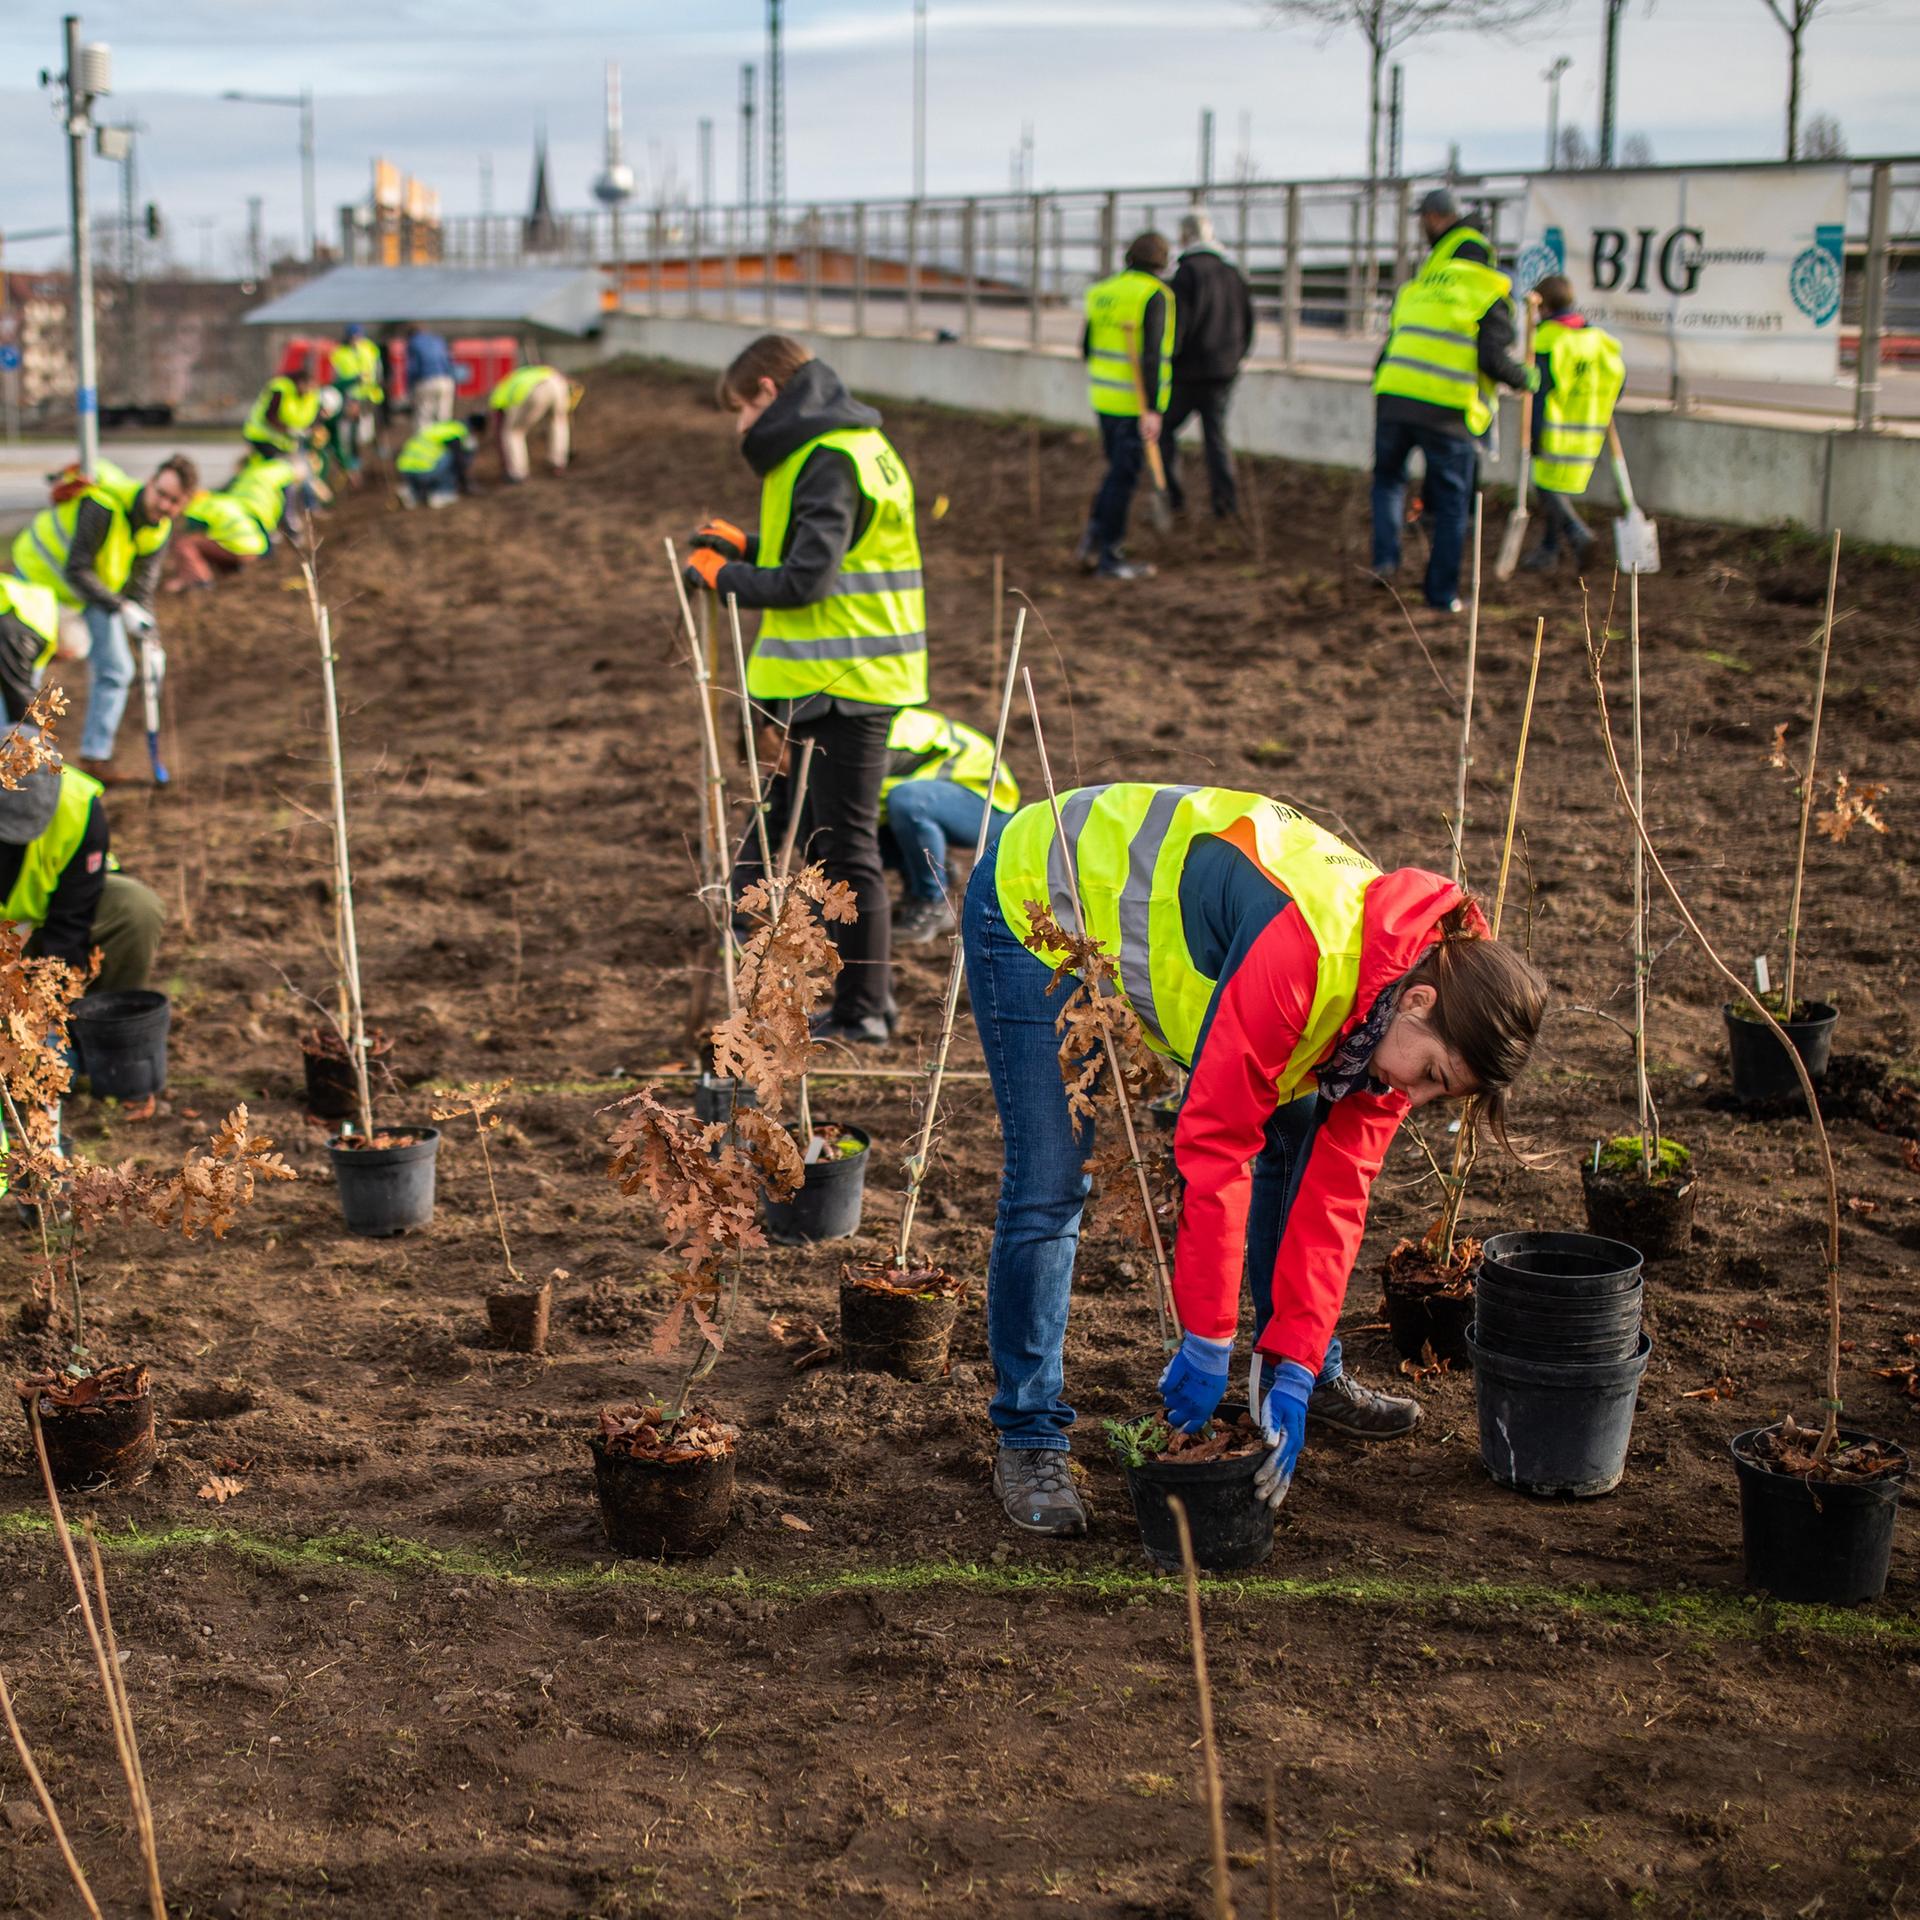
(1735, 472)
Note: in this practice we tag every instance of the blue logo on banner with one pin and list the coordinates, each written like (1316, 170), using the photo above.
(1538, 258)
(9, 358)
(1817, 274)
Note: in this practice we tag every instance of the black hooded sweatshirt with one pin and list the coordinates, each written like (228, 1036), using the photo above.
(829, 511)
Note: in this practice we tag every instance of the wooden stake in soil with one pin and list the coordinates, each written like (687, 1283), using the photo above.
(1163, 1287)
(936, 1074)
(1273, 1845)
(47, 1807)
(1210, 1754)
(1806, 785)
(1643, 1094)
(713, 813)
(1466, 707)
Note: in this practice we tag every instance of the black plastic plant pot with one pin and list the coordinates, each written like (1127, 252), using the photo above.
(1761, 1069)
(1568, 1266)
(1656, 1217)
(1822, 1541)
(333, 1091)
(655, 1508)
(1550, 1427)
(716, 1096)
(89, 1448)
(1548, 1327)
(887, 1328)
(1418, 1320)
(121, 1039)
(827, 1207)
(386, 1190)
(1230, 1525)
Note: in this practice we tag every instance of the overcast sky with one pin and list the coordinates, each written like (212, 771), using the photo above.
(1112, 89)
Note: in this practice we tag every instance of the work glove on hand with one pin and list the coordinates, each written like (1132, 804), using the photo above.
(1195, 1381)
(1277, 1393)
(1533, 379)
(136, 619)
(721, 536)
(703, 568)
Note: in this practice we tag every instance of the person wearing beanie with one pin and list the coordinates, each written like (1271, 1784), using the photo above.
(1216, 335)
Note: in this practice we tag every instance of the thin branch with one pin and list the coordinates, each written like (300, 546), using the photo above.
(1209, 1751)
(1807, 783)
(41, 1794)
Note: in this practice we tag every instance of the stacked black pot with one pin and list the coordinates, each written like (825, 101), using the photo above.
(1557, 1358)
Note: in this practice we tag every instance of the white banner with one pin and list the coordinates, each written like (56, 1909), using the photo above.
(1726, 273)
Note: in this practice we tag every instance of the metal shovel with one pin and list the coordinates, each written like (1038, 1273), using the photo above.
(1159, 507)
(1636, 539)
(1516, 534)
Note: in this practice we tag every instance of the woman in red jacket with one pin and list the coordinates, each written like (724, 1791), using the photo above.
(1316, 1001)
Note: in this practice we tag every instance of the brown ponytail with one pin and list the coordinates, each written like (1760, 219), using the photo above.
(774, 356)
(1487, 1008)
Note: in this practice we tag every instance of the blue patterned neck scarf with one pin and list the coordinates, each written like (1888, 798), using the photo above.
(1348, 1067)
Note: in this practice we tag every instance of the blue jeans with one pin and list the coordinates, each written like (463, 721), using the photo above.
(1036, 1228)
(109, 679)
(923, 816)
(1452, 467)
(1126, 452)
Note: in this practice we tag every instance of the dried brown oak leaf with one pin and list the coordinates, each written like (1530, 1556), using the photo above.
(213, 1184)
(708, 1201)
(1852, 807)
(220, 1488)
(1094, 1011)
(20, 756)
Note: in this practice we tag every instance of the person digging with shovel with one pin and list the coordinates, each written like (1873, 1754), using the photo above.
(1316, 1001)
(1581, 373)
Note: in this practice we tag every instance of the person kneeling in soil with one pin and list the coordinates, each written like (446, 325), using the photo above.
(935, 792)
(1316, 1002)
(218, 534)
(842, 644)
(60, 877)
(435, 464)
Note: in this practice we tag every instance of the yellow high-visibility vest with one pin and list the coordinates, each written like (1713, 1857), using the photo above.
(41, 548)
(37, 609)
(298, 411)
(1116, 315)
(930, 746)
(517, 385)
(1588, 373)
(44, 860)
(1433, 344)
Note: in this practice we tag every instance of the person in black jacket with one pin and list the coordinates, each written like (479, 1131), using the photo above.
(1215, 335)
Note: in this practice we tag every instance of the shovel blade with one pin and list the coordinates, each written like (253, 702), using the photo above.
(1159, 511)
(1636, 543)
(1510, 544)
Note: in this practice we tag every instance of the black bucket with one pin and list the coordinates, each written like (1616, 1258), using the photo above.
(827, 1207)
(1548, 1327)
(1550, 1428)
(121, 1039)
(1761, 1069)
(386, 1190)
(1824, 1541)
(717, 1096)
(1560, 1266)
(1231, 1526)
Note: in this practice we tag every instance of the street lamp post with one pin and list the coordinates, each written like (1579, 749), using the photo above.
(1552, 78)
(88, 77)
(303, 100)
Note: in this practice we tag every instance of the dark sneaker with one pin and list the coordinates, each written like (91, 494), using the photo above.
(1541, 560)
(1086, 556)
(1034, 1486)
(1126, 570)
(921, 920)
(873, 1031)
(1361, 1413)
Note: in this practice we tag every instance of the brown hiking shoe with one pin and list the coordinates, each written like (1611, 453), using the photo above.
(1362, 1413)
(1034, 1486)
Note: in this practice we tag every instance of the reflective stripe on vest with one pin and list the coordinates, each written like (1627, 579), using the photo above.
(40, 550)
(866, 637)
(358, 365)
(1433, 344)
(517, 385)
(1126, 845)
(44, 860)
(228, 523)
(426, 449)
(929, 746)
(37, 609)
(1116, 315)
(298, 412)
(261, 487)
(1588, 373)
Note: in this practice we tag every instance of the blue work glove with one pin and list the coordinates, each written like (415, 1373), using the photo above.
(1277, 1393)
(1195, 1381)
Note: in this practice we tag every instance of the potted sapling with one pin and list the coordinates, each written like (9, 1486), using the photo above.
(1640, 1188)
(1761, 1070)
(520, 1311)
(1817, 1502)
(384, 1178)
(898, 1318)
(663, 1469)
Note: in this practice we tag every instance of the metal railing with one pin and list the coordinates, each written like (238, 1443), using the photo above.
(1323, 258)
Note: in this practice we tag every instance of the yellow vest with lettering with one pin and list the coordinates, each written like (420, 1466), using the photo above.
(1588, 373)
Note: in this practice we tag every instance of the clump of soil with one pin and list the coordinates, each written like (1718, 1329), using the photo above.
(115, 1386)
(648, 1432)
(1792, 1449)
(373, 1142)
(1411, 1270)
(918, 1283)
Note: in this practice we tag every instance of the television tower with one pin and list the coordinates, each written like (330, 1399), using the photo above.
(776, 114)
(615, 186)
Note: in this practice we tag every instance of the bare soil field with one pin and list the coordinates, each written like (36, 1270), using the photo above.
(400, 1672)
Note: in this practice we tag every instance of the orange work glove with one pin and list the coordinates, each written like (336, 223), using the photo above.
(722, 536)
(703, 568)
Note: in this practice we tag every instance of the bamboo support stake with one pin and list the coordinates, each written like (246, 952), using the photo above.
(956, 971)
(143, 1806)
(1643, 1094)
(713, 814)
(1807, 782)
(1831, 1431)
(1466, 709)
(1273, 1846)
(1209, 1752)
(47, 1807)
(1163, 1288)
(1519, 769)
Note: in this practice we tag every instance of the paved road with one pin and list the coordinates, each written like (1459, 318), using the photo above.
(24, 466)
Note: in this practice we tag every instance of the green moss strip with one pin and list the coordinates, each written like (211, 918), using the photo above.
(1716, 1616)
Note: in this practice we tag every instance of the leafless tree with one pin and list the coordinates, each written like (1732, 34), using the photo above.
(1576, 150)
(1794, 18)
(1636, 150)
(1822, 139)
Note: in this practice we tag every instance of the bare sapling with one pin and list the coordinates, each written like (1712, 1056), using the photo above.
(1642, 953)
(918, 1160)
(1458, 826)
(349, 944)
(1821, 1453)
(1098, 1027)
(1209, 1749)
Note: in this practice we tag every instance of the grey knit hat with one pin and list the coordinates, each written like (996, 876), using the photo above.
(26, 810)
(1441, 204)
